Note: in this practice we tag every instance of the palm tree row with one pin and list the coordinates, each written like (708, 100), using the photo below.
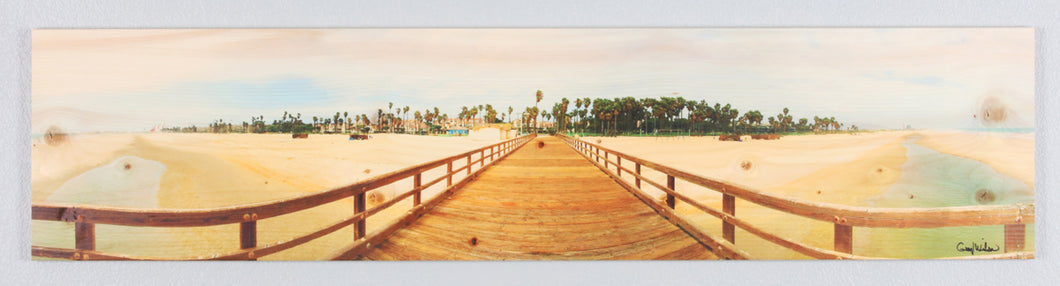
(628, 115)
(609, 117)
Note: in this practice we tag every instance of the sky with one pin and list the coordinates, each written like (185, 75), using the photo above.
(131, 80)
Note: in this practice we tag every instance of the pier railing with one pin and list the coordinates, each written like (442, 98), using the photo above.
(86, 217)
(845, 218)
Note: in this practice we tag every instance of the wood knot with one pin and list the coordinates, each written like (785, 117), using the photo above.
(473, 241)
(984, 196)
(254, 216)
(246, 217)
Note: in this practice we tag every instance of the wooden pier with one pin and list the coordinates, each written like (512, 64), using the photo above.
(530, 198)
(541, 203)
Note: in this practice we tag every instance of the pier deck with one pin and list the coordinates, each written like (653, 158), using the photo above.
(541, 203)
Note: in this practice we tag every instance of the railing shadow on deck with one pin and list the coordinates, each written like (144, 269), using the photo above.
(85, 217)
(1013, 217)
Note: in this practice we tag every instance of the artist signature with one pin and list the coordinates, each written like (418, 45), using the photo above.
(974, 247)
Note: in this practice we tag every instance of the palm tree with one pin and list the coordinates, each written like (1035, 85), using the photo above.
(419, 117)
(562, 119)
(473, 112)
(463, 115)
(346, 119)
(510, 112)
(491, 114)
(390, 109)
(577, 107)
(539, 95)
(733, 114)
(357, 121)
(691, 106)
(649, 108)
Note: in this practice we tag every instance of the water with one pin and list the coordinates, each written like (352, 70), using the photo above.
(932, 179)
(127, 181)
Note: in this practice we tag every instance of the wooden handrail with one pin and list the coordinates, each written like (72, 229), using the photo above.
(86, 216)
(1014, 217)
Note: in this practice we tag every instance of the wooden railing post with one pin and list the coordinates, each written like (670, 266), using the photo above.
(469, 165)
(844, 238)
(638, 173)
(619, 165)
(449, 173)
(84, 235)
(605, 159)
(728, 205)
(597, 154)
(1015, 237)
(248, 234)
(670, 200)
(416, 184)
(482, 158)
(358, 207)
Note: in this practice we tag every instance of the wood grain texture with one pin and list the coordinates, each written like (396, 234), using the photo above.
(545, 203)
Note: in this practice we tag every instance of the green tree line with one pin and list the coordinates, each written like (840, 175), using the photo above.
(602, 116)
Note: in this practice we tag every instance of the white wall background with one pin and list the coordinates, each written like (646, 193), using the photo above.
(18, 18)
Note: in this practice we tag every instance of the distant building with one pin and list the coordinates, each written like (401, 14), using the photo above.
(458, 131)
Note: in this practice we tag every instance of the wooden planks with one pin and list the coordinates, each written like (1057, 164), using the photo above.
(540, 203)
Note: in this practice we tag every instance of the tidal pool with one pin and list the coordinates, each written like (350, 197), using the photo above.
(126, 182)
(932, 179)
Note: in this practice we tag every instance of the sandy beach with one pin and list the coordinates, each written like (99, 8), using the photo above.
(838, 168)
(214, 170)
